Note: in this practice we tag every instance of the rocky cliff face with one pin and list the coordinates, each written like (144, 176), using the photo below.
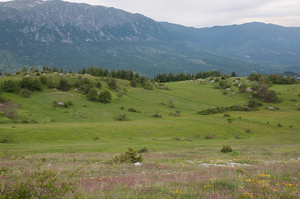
(34, 21)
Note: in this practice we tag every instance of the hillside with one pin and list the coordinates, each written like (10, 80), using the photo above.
(72, 35)
(76, 150)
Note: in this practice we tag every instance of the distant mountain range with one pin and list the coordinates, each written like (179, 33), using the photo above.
(72, 35)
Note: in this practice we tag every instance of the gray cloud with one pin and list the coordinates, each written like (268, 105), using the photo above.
(200, 13)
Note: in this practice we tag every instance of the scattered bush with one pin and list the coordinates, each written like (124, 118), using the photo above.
(70, 103)
(112, 83)
(293, 100)
(279, 125)
(132, 110)
(129, 156)
(236, 136)
(104, 96)
(92, 95)
(43, 79)
(96, 138)
(252, 103)
(248, 131)
(226, 149)
(226, 115)
(25, 121)
(6, 139)
(143, 150)
(33, 84)
(64, 84)
(122, 117)
(25, 93)
(209, 136)
(98, 85)
(176, 138)
(197, 136)
(156, 115)
(122, 107)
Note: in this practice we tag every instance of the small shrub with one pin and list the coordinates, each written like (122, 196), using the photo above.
(6, 139)
(236, 136)
(33, 121)
(25, 93)
(66, 111)
(293, 100)
(156, 115)
(291, 126)
(279, 125)
(52, 120)
(224, 93)
(66, 105)
(70, 103)
(226, 149)
(226, 115)
(143, 150)
(122, 117)
(176, 138)
(122, 107)
(132, 110)
(24, 121)
(248, 131)
(209, 136)
(96, 138)
(129, 156)
(197, 136)
(98, 85)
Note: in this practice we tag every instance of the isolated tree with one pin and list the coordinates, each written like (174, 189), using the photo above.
(148, 85)
(112, 83)
(24, 69)
(233, 74)
(133, 82)
(55, 69)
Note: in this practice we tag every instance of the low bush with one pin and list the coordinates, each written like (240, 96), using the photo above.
(143, 150)
(226, 149)
(248, 131)
(236, 136)
(6, 139)
(156, 115)
(129, 156)
(122, 107)
(122, 117)
(226, 115)
(132, 110)
(25, 93)
(209, 136)
(279, 125)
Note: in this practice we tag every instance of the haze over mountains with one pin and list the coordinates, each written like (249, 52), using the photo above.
(71, 35)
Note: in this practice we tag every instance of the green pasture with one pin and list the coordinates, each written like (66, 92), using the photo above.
(90, 126)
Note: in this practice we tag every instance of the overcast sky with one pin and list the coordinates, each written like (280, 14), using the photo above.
(208, 13)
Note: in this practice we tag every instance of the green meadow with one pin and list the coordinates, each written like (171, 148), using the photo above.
(88, 131)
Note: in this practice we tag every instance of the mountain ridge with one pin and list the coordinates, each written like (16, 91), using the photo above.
(76, 35)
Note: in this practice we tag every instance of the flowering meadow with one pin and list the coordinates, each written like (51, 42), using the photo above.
(194, 173)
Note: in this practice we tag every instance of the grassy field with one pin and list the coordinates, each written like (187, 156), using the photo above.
(173, 167)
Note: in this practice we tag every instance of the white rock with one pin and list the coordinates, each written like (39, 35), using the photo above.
(27, 75)
(233, 93)
(137, 164)
(249, 90)
(250, 96)
(228, 89)
(296, 104)
(271, 108)
(212, 81)
(190, 161)
(60, 103)
(75, 89)
(55, 89)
